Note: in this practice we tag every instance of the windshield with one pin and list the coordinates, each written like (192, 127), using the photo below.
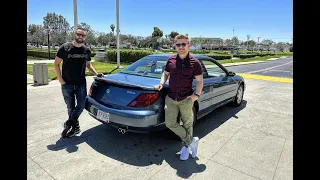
(149, 66)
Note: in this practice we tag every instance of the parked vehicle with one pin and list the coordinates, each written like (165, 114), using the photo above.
(128, 101)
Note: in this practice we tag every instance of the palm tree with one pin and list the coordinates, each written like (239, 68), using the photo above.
(112, 26)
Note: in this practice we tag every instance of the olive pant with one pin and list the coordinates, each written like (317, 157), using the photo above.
(172, 109)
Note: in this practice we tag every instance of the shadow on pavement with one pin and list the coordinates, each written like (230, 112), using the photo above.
(147, 149)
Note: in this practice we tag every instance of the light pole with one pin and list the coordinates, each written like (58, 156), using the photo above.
(258, 43)
(232, 51)
(233, 33)
(48, 42)
(118, 38)
(75, 15)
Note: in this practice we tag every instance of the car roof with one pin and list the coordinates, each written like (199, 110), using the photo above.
(168, 55)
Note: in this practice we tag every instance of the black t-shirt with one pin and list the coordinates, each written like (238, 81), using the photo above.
(74, 62)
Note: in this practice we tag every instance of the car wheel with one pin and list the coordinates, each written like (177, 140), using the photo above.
(239, 96)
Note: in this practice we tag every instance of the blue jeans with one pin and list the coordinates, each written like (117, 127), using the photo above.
(74, 96)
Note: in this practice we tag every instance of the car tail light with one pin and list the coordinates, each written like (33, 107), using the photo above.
(144, 100)
(90, 90)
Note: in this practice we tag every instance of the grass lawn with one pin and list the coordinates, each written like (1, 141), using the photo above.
(30, 58)
(105, 68)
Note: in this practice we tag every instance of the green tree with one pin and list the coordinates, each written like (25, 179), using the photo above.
(173, 34)
(57, 26)
(112, 26)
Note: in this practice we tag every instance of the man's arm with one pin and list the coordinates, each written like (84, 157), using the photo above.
(57, 61)
(163, 80)
(164, 77)
(91, 68)
(199, 85)
(199, 82)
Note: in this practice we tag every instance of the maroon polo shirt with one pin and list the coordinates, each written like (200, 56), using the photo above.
(182, 72)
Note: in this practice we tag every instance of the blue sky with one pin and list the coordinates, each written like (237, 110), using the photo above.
(268, 19)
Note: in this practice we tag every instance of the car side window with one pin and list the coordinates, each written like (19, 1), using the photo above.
(213, 70)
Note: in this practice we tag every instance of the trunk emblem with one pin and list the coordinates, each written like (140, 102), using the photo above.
(108, 91)
(130, 92)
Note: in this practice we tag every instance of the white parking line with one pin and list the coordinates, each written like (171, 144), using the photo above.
(278, 70)
(269, 68)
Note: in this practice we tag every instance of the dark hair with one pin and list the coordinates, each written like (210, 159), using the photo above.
(79, 28)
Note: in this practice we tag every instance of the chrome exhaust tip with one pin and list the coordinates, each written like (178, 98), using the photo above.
(123, 131)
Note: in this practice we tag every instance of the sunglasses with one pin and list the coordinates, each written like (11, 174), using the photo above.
(78, 34)
(181, 44)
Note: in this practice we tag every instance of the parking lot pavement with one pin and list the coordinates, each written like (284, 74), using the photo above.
(253, 141)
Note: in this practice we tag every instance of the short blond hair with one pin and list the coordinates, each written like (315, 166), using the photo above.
(181, 36)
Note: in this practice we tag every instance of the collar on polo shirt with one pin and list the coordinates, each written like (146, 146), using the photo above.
(187, 58)
(183, 63)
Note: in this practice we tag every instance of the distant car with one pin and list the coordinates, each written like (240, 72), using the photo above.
(128, 101)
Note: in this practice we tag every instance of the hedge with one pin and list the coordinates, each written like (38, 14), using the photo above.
(217, 56)
(191, 51)
(127, 56)
(45, 54)
(244, 56)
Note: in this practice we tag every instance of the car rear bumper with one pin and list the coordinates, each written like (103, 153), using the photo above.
(130, 118)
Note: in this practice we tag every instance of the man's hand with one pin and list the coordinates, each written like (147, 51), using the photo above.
(100, 75)
(62, 82)
(193, 98)
(158, 87)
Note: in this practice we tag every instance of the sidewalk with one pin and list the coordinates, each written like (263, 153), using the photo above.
(251, 142)
(30, 77)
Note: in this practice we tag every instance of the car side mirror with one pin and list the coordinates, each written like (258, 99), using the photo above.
(230, 73)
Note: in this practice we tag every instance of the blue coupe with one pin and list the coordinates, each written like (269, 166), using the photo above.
(128, 101)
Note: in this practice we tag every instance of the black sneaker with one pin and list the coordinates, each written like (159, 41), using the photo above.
(67, 127)
(74, 131)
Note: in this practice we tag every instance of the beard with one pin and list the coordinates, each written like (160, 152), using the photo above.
(80, 41)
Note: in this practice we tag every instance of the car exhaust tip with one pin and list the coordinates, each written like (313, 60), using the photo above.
(123, 131)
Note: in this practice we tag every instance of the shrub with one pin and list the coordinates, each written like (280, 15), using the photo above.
(45, 54)
(127, 56)
(218, 56)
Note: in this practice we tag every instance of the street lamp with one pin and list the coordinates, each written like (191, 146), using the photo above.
(48, 30)
(258, 44)
(118, 38)
(75, 15)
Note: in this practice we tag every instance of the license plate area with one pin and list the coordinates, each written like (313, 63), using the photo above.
(103, 116)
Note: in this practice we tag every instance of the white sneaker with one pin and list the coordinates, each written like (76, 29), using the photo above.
(194, 146)
(184, 153)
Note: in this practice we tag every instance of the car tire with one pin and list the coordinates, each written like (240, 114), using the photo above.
(239, 96)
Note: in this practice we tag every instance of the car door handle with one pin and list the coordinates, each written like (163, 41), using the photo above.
(216, 83)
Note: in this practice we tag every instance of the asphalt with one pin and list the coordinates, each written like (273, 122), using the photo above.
(279, 68)
(250, 142)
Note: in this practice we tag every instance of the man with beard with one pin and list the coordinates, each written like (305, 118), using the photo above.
(75, 57)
